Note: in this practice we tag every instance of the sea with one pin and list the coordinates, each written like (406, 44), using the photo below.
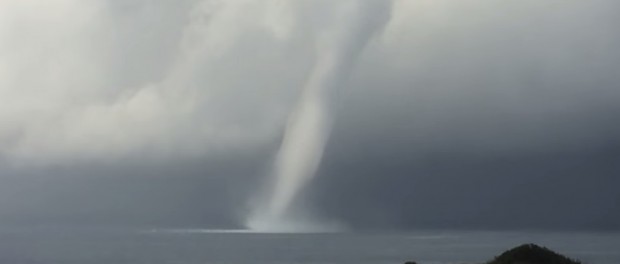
(198, 246)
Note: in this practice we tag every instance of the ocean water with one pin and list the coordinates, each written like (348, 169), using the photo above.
(90, 246)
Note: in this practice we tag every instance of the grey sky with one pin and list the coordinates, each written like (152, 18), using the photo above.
(462, 114)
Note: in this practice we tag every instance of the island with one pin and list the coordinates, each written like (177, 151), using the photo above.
(528, 254)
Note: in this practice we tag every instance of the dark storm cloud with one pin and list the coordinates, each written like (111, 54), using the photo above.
(506, 119)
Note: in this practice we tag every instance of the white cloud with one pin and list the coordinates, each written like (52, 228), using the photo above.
(62, 99)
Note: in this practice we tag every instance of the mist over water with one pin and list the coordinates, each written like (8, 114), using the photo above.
(337, 46)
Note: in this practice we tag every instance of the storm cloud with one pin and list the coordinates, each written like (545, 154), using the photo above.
(459, 114)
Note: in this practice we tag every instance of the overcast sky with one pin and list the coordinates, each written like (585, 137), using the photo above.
(458, 114)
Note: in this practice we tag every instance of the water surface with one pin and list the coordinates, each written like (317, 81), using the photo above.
(90, 246)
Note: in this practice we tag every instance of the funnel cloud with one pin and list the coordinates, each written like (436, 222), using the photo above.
(338, 44)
